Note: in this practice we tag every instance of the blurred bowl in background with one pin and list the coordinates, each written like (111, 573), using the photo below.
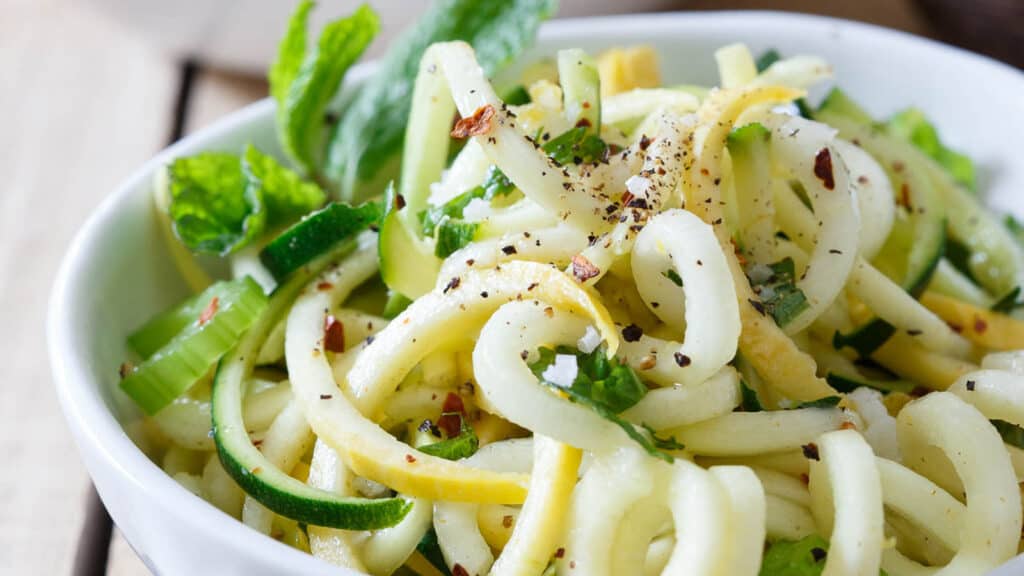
(242, 35)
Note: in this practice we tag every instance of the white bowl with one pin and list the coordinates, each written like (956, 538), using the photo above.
(116, 273)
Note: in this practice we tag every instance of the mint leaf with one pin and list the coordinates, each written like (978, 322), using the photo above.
(303, 92)
(805, 557)
(369, 137)
(462, 446)
(778, 292)
(287, 196)
(212, 207)
(576, 146)
(607, 387)
(290, 53)
(913, 126)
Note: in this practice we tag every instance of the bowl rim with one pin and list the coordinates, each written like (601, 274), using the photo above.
(93, 423)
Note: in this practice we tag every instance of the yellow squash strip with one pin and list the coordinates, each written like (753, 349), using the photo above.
(623, 69)
(979, 325)
(775, 357)
(912, 362)
(456, 309)
(542, 521)
(366, 447)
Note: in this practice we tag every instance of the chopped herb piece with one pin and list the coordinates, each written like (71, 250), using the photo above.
(767, 58)
(1009, 302)
(453, 235)
(672, 275)
(779, 294)
(1011, 433)
(462, 446)
(750, 402)
(826, 402)
(660, 443)
(604, 385)
(495, 184)
(576, 146)
(431, 550)
(805, 557)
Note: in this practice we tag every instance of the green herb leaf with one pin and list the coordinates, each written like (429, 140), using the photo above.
(672, 275)
(304, 91)
(669, 443)
(778, 292)
(495, 184)
(462, 446)
(290, 52)
(912, 125)
(607, 387)
(766, 59)
(805, 557)
(846, 384)
(1009, 302)
(212, 207)
(1015, 228)
(286, 195)
(750, 402)
(1011, 433)
(369, 137)
(576, 146)
(453, 235)
(826, 402)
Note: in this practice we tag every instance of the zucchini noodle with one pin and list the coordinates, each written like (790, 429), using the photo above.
(626, 329)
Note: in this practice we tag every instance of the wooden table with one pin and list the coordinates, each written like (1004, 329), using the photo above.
(85, 101)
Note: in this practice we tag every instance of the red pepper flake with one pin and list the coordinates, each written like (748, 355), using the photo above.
(452, 412)
(209, 311)
(632, 333)
(326, 396)
(125, 369)
(507, 520)
(532, 286)
(627, 197)
(970, 385)
(477, 124)
(648, 362)
(682, 359)
(399, 202)
(560, 553)
(334, 334)
(847, 425)
(509, 250)
(823, 169)
(980, 325)
(458, 570)
(470, 262)
(811, 451)
(549, 312)
(583, 122)
(905, 196)
(324, 286)
(410, 458)
(645, 141)
(583, 269)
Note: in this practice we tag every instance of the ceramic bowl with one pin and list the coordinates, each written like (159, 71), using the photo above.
(117, 274)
